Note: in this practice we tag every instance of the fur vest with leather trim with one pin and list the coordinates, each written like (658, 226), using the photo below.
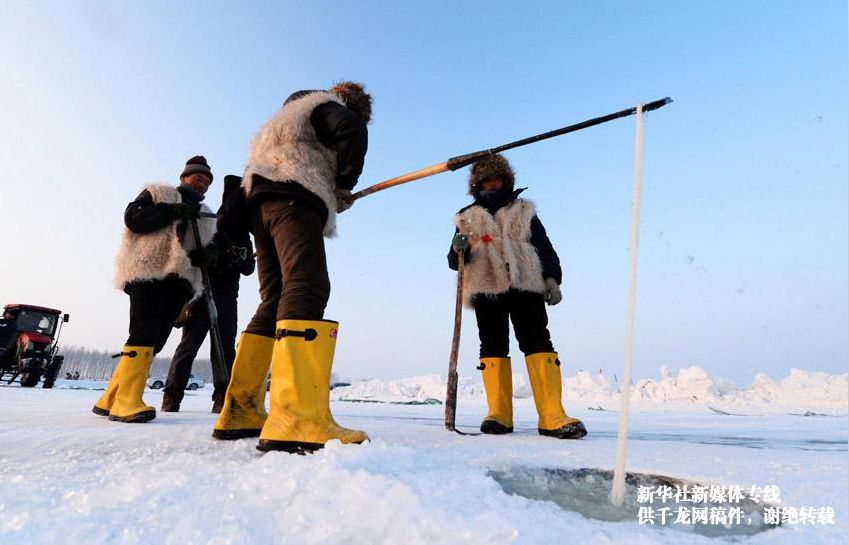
(501, 253)
(286, 149)
(153, 256)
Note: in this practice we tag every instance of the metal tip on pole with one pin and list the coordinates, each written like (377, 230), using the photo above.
(656, 104)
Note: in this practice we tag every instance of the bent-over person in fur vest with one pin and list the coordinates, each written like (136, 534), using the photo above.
(301, 168)
(157, 266)
(510, 271)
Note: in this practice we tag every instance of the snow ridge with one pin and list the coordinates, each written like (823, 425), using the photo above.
(802, 391)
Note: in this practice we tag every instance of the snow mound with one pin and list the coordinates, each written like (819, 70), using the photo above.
(691, 384)
(412, 390)
(801, 391)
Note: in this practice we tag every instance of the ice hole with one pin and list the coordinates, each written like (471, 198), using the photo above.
(586, 491)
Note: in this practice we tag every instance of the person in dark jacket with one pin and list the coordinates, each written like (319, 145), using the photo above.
(510, 271)
(234, 257)
(301, 168)
(8, 334)
(157, 266)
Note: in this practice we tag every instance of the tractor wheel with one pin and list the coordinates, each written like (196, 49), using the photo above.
(28, 380)
(192, 386)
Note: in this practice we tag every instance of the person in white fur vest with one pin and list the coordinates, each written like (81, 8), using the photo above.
(510, 271)
(157, 266)
(301, 168)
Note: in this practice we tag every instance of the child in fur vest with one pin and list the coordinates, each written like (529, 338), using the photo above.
(510, 271)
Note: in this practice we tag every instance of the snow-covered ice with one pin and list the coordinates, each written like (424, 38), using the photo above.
(800, 392)
(68, 476)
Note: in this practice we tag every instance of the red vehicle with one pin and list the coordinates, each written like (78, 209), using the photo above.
(29, 344)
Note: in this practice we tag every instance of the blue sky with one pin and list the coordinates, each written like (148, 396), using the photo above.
(743, 256)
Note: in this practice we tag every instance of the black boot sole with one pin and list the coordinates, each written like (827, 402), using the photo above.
(569, 431)
(292, 447)
(99, 412)
(492, 427)
(137, 418)
(232, 435)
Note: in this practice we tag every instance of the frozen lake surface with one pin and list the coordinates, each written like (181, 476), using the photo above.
(68, 476)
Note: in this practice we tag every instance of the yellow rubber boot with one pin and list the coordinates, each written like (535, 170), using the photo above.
(243, 413)
(102, 405)
(547, 386)
(123, 396)
(299, 419)
(498, 383)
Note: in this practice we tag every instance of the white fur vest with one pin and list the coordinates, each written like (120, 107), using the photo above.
(286, 149)
(153, 256)
(502, 256)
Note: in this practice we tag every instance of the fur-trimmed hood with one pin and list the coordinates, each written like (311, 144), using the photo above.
(355, 97)
(493, 166)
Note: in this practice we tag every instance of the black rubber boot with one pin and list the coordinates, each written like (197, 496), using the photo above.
(218, 400)
(169, 405)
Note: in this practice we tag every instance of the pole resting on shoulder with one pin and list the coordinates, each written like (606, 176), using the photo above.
(309, 334)
(130, 354)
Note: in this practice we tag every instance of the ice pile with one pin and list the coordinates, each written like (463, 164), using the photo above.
(801, 391)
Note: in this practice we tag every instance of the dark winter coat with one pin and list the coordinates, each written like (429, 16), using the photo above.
(8, 334)
(548, 258)
(232, 241)
(146, 215)
(231, 262)
(340, 130)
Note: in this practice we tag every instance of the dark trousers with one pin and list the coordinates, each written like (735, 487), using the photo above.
(194, 333)
(530, 322)
(154, 305)
(291, 264)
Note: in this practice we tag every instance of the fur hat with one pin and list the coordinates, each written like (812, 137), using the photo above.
(197, 164)
(355, 97)
(493, 166)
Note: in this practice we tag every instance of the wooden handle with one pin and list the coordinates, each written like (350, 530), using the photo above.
(402, 179)
(451, 389)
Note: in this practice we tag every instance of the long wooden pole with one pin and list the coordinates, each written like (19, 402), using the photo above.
(451, 392)
(461, 161)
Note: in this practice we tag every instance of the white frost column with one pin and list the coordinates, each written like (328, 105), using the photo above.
(617, 493)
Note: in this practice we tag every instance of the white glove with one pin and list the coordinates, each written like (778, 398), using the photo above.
(343, 200)
(552, 295)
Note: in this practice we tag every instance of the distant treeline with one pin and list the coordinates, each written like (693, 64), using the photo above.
(98, 364)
